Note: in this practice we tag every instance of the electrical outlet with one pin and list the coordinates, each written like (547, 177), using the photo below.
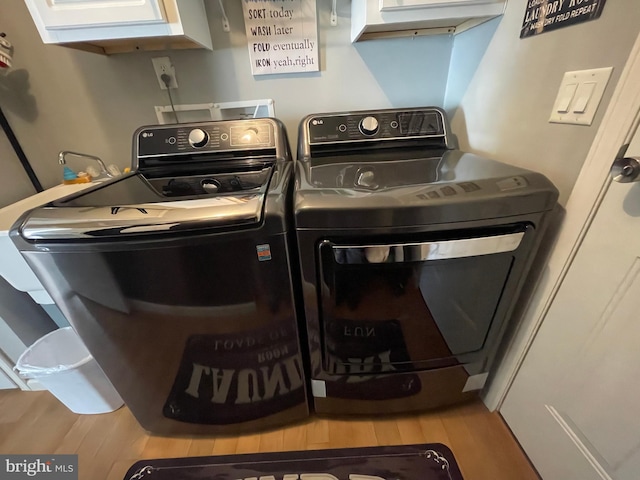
(163, 65)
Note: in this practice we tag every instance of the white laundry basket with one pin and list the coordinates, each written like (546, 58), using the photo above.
(64, 366)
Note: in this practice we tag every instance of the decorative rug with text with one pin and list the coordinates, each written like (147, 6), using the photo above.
(432, 461)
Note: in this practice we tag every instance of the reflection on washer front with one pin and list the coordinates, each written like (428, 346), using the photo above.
(236, 378)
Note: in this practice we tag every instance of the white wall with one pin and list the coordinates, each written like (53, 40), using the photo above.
(505, 110)
(499, 88)
(14, 182)
(501, 98)
(10, 344)
(5, 381)
(63, 99)
(11, 347)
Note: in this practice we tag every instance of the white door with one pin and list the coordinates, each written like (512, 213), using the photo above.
(574, 403)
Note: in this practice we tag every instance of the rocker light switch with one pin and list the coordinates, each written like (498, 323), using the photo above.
(583, 96)
(579, 96)
(567, 95)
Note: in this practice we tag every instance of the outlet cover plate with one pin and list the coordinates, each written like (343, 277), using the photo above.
(163, 65)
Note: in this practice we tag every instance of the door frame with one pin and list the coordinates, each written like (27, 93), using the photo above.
(620, 118)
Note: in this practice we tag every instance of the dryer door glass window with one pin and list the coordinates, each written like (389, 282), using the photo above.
(413, 304)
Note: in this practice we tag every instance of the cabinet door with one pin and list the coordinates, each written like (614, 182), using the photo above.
(68, 14)
(388, 5)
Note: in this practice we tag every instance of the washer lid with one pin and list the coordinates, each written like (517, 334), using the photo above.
(132, 206)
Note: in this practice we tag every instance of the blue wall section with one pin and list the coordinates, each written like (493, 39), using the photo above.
(114, 95)
(468, 50)
(410, 71)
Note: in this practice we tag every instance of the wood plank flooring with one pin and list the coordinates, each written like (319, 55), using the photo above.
(107, 445)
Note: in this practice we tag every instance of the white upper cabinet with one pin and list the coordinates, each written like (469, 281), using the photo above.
(58, 14)
(112, 26)
(406, 4)
(395, 18)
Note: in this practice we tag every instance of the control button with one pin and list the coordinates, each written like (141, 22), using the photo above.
(198, 138)
(369, 125)
(394, 124)
(171, 140)
(469, 186)
(512, 183)
(235, 183)
(224, 137)
(342, 127)
(176, 187)
(210, 185)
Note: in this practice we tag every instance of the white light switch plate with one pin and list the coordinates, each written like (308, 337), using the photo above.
(584, 102)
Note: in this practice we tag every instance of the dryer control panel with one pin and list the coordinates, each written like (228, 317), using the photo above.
(375, 125)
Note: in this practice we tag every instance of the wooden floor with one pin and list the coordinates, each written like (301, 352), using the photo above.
(107, 445)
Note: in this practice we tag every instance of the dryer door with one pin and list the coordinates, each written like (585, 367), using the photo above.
(413, 304)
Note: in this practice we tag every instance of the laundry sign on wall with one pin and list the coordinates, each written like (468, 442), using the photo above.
(545, 15)
(282, 36)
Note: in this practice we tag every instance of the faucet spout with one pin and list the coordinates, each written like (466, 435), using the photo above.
(62, 160)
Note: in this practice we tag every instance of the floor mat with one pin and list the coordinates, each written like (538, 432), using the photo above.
(432, 461)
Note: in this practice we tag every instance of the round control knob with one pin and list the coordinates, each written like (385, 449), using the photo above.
(369, 125)
(210, 186)
(198, 138)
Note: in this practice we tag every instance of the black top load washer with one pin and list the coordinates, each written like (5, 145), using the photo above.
(412, 255)
(177, 277)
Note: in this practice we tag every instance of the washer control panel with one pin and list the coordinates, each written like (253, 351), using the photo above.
(205, 137)
(375, 125)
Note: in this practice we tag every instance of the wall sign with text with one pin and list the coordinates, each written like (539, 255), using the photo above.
(545, 15)
(282, 36)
